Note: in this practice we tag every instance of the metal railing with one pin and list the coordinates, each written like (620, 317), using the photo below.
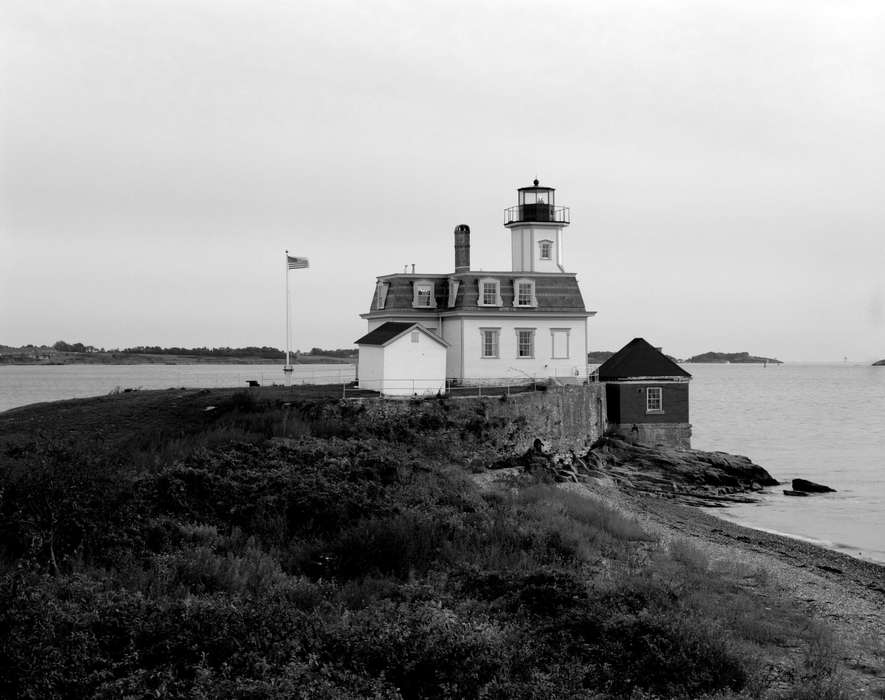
(345, 385)
(410, 388)
(536, 212)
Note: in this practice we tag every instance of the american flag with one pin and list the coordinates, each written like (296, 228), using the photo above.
(297, 263)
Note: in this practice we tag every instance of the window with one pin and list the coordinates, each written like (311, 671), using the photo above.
(489, 292)
(525, 343)
(653, 400)
(415, 335)
(524, 293)
(423, 295)
(489, 341)
(546, 249)
(559, 341)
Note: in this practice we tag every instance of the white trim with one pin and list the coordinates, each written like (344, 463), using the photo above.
(423, 285)
(525, 330)
(533, 301)
(381, 289)
(480, 298)
(659, 401)
(414, 327)
(453, 292)
(482, 343)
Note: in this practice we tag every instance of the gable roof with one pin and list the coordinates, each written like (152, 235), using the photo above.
(386, 333)
(639, 359)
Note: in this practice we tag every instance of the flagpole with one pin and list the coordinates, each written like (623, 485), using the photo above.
(288, 367)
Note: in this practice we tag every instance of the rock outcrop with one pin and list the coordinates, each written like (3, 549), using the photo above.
(805, 486)
(690, 476)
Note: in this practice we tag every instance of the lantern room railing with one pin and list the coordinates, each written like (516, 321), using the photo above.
(536, 212)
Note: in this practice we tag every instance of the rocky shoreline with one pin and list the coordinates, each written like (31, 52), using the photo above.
(847, 592)
(690, 477)
(663, 490)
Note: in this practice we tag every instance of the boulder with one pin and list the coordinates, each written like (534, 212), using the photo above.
(810, 487)
(787, 492)
(692, 476)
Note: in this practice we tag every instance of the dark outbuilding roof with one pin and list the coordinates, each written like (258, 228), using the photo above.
(386, 332)
(639, 359)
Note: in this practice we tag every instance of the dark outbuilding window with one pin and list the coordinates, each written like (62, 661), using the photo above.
(653, 400)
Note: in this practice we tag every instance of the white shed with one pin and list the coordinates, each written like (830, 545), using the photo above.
(401, 359)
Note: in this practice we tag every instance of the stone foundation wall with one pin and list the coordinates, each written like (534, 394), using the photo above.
(568, 417)
(654, 434)
(565, 417)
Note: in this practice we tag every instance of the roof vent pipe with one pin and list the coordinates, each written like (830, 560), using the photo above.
(462, 248)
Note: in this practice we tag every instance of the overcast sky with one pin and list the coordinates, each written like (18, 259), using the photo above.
(724, 163)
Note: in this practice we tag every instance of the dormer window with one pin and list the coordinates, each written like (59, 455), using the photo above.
(490, 292)
(423, 297)
(524, 293)
(546, 250)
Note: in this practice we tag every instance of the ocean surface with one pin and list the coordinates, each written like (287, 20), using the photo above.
(823, 422)
(24, 384)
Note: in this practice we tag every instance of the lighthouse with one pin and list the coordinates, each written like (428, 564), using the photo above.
(536, 225)
(492, 325)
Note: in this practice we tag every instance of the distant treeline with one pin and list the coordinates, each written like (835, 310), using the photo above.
(250, 351)
(341, 352)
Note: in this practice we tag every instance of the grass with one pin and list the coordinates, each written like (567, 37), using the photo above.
(151, 547)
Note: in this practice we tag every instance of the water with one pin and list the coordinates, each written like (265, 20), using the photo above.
(25, 384)
(825, 423)
(820, 422)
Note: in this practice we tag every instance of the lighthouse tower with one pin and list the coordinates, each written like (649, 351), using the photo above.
(536, 225)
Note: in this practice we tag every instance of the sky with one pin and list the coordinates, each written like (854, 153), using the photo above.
(723, 161)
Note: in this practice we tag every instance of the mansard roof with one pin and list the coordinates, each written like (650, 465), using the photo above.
(555, 292)
(638, 359)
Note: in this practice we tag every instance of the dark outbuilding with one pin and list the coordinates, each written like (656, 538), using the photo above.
(646, 396)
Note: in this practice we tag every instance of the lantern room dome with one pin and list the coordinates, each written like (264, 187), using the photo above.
(536, 204)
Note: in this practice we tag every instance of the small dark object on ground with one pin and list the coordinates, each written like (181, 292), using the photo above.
(810, 486)
(831, 569)
(788, 492)
(252, 382)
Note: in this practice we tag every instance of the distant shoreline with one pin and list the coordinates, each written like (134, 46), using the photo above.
(732, 358)
(120, 358)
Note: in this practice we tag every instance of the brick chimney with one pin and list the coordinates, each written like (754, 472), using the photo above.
(462, 248)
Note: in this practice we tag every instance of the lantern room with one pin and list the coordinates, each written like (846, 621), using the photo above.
(536, 204)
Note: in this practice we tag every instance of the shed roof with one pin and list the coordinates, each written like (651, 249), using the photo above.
(639, 358)
(388, 332)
